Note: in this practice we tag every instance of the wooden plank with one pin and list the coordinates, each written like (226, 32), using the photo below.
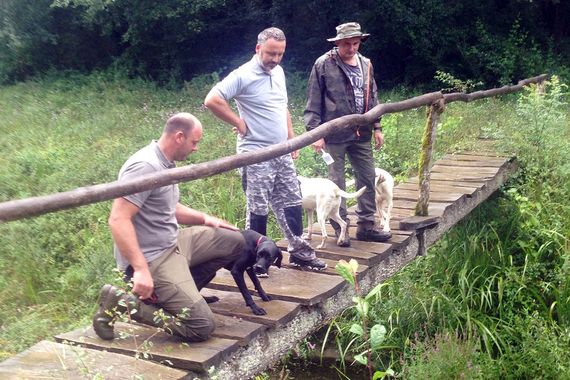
(287, 284)
(398, 238)
(434, 196)
(354, 222)
(439, 187)
(232, 304)
(473, 157)
(490, 153)
(237, 328)
(474, 164)
(331, 264)
(190, 356)
(450, 182)
(462, 177)
(408, 209)
(334, 253)
(50, 360)
(481, 171)
(417, 222)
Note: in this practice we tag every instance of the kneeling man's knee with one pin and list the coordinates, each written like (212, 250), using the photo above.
(200, 323)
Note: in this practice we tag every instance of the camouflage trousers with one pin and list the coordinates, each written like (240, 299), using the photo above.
(274, 184)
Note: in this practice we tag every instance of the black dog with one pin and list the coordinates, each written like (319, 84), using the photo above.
(257, 256)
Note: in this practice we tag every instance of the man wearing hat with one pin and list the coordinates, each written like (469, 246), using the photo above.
(342, 83)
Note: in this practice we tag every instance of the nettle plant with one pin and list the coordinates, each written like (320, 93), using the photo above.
(368, 340)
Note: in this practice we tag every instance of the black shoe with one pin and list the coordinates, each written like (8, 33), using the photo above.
(314, 264)
(104, 317)
(372, 234)
(336, 227)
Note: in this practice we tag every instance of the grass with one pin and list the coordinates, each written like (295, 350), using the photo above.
(60, 133)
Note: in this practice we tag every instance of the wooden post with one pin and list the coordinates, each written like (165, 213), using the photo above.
(428, 140)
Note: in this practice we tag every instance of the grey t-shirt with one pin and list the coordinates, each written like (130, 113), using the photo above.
(261, 99)
(356, 78)
(155, 223)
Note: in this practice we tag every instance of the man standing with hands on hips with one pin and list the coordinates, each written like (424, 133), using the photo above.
(258, 88)
(342, 83)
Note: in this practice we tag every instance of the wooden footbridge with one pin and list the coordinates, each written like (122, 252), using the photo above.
(245, 344)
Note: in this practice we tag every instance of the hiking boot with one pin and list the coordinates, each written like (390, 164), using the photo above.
(367, 232)
(314, 264)
(109, 306)
(336, 227)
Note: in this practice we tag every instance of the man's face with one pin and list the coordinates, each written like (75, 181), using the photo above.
(348, 48)
(270, 53)
(189, 143)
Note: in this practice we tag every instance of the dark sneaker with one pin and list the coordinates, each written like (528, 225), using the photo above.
(314, 264)
(372, 234)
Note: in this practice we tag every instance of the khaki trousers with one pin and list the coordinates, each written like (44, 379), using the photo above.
(179, 274)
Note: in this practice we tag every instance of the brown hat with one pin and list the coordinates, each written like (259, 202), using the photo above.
(348, 30)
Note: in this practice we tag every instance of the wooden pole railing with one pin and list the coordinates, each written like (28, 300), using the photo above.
(23, 208)
(434, 114)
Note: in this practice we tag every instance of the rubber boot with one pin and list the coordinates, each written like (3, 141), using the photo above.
(258, 223)
(294, 219)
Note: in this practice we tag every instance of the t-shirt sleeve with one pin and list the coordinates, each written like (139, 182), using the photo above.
(229, 87)
(135, 171)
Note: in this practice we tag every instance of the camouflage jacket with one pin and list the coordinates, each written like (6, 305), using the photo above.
(330, 95)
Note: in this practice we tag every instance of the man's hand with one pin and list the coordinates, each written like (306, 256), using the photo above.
(241, 129)
(378, 139)
(212, 221)
(318, 145)
(143, 285)
(295, 154)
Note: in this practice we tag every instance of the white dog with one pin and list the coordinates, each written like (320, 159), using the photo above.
(384, 188)
(324, 196)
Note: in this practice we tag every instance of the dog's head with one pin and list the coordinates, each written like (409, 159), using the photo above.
(267, 254)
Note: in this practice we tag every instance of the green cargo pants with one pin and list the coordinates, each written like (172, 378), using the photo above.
(179, 274)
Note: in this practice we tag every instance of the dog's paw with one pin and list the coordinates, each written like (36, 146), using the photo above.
(258, 310)
(265, 297)
(306, 236)
(211, 299)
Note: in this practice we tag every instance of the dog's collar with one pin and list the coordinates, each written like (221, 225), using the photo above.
(259, 240)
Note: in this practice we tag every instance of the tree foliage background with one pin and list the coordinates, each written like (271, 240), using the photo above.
(494, 41)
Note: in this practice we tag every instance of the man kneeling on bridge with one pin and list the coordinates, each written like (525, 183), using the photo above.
(167, 266)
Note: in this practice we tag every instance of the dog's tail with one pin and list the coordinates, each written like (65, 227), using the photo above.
(379, 175)
(344, 194)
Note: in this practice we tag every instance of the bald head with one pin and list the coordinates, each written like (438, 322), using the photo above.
(181, 135)
(183, 122)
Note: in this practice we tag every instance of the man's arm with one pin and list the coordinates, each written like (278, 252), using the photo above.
(125, 237)
(312, 114)
(189, 216)
(291, 134)
(377, 127)
(313, 109)
(220, 107)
